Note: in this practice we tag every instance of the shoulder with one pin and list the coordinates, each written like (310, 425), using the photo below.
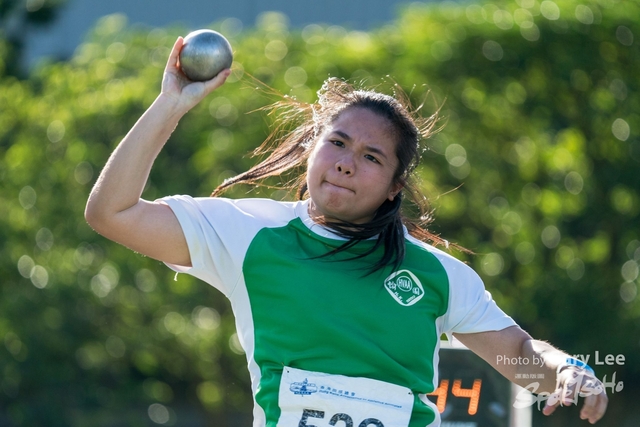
(457, 271)
(442, 256)
(267, 208)
(267, 211)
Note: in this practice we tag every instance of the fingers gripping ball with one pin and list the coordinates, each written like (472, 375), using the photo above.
(204, 54)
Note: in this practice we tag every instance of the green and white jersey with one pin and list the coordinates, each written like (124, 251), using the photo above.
(326, 343)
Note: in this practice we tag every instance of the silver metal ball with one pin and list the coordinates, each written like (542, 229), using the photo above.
(204, 54)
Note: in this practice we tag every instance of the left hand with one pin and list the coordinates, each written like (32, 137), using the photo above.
(574, 382)
(184, 92)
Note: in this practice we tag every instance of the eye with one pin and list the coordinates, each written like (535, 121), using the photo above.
(337, 143)
(370, 157)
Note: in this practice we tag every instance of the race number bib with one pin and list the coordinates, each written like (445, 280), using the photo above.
(314, 399)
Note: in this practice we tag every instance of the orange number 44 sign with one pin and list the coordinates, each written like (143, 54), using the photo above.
(473, 394)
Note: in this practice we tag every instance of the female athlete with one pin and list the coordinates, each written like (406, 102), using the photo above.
(340, 301)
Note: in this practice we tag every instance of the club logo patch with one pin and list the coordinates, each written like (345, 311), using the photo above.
(404, 287)
(303, 388)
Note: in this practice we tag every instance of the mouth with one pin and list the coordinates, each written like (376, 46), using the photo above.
(338, 187)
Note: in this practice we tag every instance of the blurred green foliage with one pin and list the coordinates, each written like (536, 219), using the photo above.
(536, 171)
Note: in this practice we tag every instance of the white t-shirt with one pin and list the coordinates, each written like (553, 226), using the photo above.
(325, 341)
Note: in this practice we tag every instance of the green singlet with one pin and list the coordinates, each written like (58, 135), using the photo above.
(327, 344)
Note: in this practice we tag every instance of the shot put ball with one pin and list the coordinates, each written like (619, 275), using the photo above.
(204, 54)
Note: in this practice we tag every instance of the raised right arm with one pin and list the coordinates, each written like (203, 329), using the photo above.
(114, 208)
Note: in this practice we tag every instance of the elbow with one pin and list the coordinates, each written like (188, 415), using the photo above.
(106, 221)
(94, 215)
(91, 216)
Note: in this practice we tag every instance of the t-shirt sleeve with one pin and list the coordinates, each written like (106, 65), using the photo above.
(471, 307)
(218, 234)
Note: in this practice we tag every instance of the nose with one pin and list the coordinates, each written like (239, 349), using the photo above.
(345, 165)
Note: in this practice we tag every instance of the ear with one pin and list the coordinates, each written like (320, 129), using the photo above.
(395, 189)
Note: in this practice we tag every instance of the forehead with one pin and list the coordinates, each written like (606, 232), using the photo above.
(362, 124)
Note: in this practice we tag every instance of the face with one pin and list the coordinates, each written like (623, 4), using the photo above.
(351, 168)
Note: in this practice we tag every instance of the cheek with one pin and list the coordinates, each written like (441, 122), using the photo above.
(311, 165)
(313, 153)
(318, 159)
(313, 170)
(383, 178)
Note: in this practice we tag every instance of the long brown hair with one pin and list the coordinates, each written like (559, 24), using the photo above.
(299, 126)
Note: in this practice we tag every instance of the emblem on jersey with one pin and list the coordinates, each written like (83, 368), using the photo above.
(303, 388)
(404, 287)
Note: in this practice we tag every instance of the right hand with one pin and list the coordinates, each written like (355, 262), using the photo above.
(180, 89)
(574, 382)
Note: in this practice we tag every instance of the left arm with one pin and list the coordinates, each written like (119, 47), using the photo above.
(501, 348)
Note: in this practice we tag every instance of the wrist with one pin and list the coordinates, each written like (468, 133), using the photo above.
(573, 363)
(169, 105)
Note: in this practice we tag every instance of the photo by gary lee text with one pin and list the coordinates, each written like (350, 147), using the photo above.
(598, 359)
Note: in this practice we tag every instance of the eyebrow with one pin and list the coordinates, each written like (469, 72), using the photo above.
(370, 148)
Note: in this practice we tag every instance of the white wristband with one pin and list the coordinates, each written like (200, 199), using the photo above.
(572, 361)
